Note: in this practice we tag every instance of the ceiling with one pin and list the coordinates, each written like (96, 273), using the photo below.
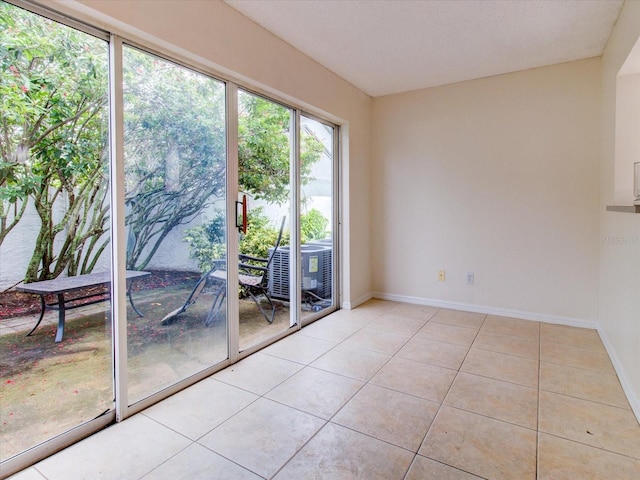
(391, 46)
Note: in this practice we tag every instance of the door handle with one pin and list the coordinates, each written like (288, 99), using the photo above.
(241, 217)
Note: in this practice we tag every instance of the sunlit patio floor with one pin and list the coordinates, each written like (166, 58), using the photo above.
(48, 388)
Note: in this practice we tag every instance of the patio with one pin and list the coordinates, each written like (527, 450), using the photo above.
(48, 388)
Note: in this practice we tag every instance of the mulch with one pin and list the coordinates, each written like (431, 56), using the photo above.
(17, 304)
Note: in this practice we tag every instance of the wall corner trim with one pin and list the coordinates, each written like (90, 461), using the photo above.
(358, 301)
(631, 395)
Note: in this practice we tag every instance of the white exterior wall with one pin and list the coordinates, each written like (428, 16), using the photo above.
(18, 246)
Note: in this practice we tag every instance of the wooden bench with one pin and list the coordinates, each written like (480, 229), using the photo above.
(64, 286)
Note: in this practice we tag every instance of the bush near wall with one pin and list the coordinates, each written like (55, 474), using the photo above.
(207, 242)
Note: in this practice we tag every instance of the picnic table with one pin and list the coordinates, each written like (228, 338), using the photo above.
(64, 286)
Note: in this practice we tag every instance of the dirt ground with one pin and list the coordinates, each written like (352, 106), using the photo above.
(47, 388)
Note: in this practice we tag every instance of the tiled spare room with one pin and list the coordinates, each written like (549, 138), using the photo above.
(312, 239)
(385, 391)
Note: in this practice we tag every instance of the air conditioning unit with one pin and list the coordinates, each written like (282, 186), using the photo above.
(316, 271)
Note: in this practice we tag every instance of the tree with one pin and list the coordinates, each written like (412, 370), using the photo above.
(53, 132)
(207, 242)
(264, 149)
(53, 145)
(175, 149)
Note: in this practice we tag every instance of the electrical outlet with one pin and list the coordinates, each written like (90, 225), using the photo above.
(470, 278)
(441, 275)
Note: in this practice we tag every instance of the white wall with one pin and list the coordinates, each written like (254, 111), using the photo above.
(212, 34)
(619, 316)
(497, 176)
(627, 150)
(18, 247)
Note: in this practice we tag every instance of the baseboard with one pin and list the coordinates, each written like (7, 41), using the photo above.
(503, 312)
(632, 397)
(358, 301)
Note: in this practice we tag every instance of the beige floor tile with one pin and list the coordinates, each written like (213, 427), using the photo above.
(560, 459)
(601, 426)
(199, 463)
(424, 468)
(200, 408)
(579, 357)
(258, 373)
(566, 335)
(420, 379)
(512, 326)
(263, 436)
(316, 391)
(332, 328)
(483, 446)
(434, 352)
(355, 363)
(139, 444)
(299, 348)
(390, 322)
(418, 312)
(390, 416)
(377, 305)
(339, 453)
(354, 318)
(510, 344)
(494, 398)
(369, 311)
(461, 319)
(377, 341)
(584, 384)
(448, 333)
(28, 474)
(510, 368)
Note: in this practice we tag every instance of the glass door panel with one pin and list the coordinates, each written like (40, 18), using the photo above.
(54, 230)
(264, 163)
(317, 221)
(175, 177)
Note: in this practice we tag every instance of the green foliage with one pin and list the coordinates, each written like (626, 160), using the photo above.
(261, 235)
(202, 249)
(53, 134)
(206, 242)
(263, 148)
(313, 226)
(264, 151)
(53, 146)
(175, 149)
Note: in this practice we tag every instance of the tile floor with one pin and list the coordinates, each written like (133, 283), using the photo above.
(386, 391)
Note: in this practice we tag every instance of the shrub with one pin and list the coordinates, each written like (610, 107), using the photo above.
(207, 242)
(313, 225)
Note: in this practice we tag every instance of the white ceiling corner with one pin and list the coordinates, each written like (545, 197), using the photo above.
(391, 46)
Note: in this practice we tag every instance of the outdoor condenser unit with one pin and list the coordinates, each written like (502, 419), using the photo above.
(316, 271)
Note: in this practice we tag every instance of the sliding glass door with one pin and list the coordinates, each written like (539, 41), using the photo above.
(265, 146)
(318, 252)
(175, 204)
(56, 363)
(119, 174)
